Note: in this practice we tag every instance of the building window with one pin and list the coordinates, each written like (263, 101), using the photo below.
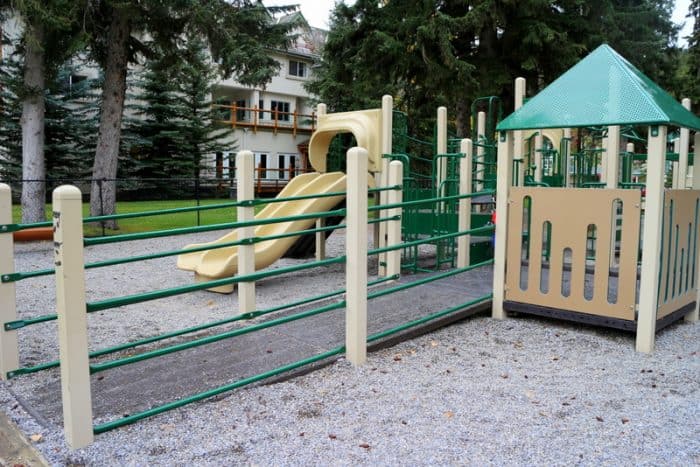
(261, 106)
(297, 69)
(223, 113)
(260, 165)
(241, 114)
(280, 110)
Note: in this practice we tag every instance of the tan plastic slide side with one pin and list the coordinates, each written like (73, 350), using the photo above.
(223, 262)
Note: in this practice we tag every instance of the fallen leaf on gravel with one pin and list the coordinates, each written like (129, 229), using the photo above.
(600, 419)
(543, 414)
(448, 414)
(555, 358)
(36, 438)
(332, 436)
(210, 303)
(301, 434)
(364, 446)
(167, 427)
(530, 394)
(433, 344)
(504, 375)
(397, 358)
(625, 420)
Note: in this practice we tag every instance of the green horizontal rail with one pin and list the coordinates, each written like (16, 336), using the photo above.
(431, 317)
(9, 228)
(433, 278)
(208, 228)
(423, 241)
(161, 212)
(18, 276)
(97, 367)
(97, 429)
(190, 330)
(154, 295)
(430, 200)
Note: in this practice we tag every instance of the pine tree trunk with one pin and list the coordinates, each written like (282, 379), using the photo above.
(32, 121)
(104, 171)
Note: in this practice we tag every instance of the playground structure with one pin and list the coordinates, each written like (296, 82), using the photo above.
(546, 259)
(584, 267)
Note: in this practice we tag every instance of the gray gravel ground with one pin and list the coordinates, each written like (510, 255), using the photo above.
(519, 391)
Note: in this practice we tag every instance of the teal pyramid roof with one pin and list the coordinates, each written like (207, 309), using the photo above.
(602, 89)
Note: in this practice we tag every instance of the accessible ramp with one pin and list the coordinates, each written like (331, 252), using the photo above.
(223, 262)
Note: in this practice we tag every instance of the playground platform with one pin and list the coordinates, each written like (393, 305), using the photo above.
(129, 389)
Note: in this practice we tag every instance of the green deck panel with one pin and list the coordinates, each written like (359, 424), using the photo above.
(603, 89)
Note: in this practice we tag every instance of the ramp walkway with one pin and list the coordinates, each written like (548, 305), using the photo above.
(139, 386)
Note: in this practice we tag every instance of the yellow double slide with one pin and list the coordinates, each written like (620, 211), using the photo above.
(223, 262)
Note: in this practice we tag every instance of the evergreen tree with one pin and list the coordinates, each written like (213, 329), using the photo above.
(51, 33)
(172, 128)
(449, 52)
(692, 58)
(71, 118)
(202, 136)
(10, 113)
(238, 33)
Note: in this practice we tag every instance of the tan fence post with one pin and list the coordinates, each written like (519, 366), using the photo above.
(9, 352)
(503, 183)
(651, 235)
(72, 315)
(393, 227)
(380, 231)
(356, 257)
(683, 152)
(465, 204)
(320, 239)
(245, 164)
(517, 134)
(612, 155)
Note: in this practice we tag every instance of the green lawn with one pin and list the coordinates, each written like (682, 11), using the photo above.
(160, 222)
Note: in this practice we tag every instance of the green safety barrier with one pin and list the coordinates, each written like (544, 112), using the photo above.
(201, 327)
(101, 428)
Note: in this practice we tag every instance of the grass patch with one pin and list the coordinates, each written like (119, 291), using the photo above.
(160, 222)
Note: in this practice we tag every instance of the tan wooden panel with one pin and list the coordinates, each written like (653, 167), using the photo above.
(679, 251)
(570, 212)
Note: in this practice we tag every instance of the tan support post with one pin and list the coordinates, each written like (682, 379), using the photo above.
(465, 204)
(675, 179)
(441, 146)
(696, 162)
(245, 162)
(683, 152)
(320, 239)
(567, 161)
(480, 149)
(652, 228)
(613, 157)
(72, 315)
(356, 257)
(539, 144)
(505, 177)
(393, 227)
(518, 134)
(380, 230)
(321, 109)
(9, 350)
(694, 315)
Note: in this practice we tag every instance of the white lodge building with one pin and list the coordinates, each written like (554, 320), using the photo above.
(274, 122)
